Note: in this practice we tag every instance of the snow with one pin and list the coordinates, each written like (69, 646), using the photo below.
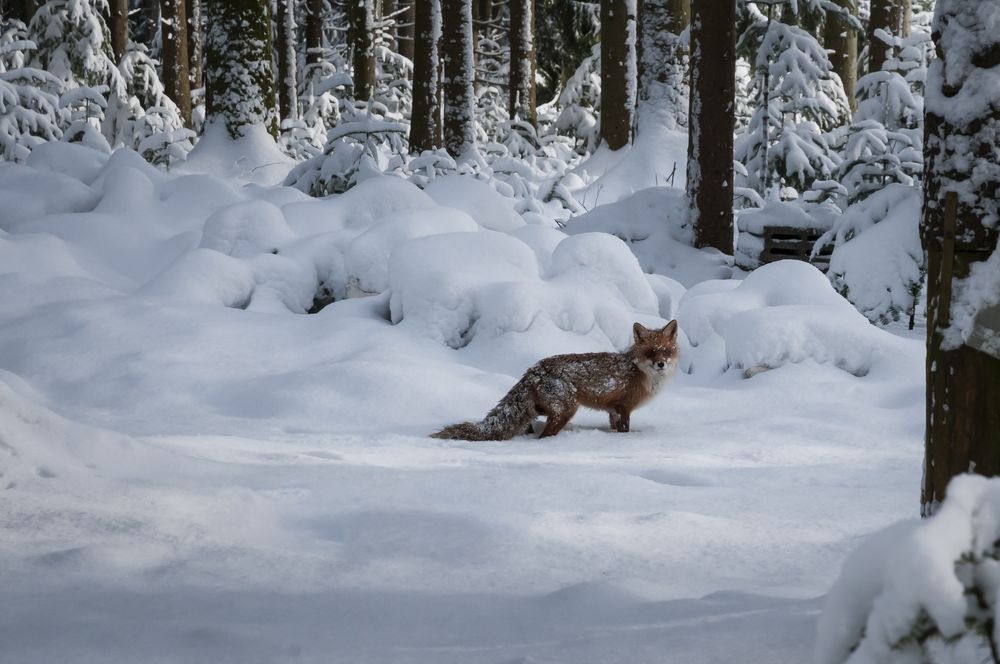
(193, 469)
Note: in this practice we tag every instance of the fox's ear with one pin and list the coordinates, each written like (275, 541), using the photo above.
(640, 332)
(669, 330)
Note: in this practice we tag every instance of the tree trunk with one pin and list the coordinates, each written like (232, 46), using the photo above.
(618, 71)
(287, 88)
(119, 27)
(963, 384)
(712, 122)
(522, 60)
(361, 39)
(459, 99)
(314, 31)
(404, 31)
(680, 15)
(196, 52)
(239, 80)
(425, 126)
(176, 83)
(906, 12)
(843, 41)
(883, 17)
(150, 21)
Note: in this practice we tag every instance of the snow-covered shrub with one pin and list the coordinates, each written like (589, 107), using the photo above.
(29, 97)
(579, 104)
(798, 100)
(921, 591)
(323, 95)
(783, 312)
(74, 43)
(877, 261)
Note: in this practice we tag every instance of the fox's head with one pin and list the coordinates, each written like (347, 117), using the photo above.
(656, 351)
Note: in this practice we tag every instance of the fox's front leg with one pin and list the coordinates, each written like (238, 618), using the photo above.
(619, 418)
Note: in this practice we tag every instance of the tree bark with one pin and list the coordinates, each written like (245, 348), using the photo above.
(522, 60)
(239, 80)
(425, 126)
(361, 38)
(618, 72)
(906, 12)
(176, 83)
(314, 31)
(196, 50)
(119, 27)
(842, 40)
(963, 384)
(459, 74)
(712, 122)
(680, 15)
(883, 17)
(286, 61)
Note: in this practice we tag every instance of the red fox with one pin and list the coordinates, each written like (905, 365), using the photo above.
(557, 386)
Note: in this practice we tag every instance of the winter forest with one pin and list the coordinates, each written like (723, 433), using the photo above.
(281, 283)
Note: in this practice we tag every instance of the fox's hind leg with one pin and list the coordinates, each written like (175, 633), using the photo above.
(557, 421)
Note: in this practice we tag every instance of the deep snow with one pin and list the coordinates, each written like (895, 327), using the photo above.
(193, 469)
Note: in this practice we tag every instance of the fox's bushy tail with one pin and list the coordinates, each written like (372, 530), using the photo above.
(508, 418)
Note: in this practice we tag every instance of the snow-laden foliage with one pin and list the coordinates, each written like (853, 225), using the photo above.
(579, 104)
(29, 97)
(877, 261)
(74, 44)
(799, 100)
(921, 591)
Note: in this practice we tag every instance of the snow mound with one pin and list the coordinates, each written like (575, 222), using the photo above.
(653, 222)
(907, 592)
(204, 276)
(783, 312)
(253, 157)
(29, 193)
(247, 229)
(478, 199)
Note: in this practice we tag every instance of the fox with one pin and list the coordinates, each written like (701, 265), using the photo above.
(557, 386)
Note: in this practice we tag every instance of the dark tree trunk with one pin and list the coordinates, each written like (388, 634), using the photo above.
(361, 38)
(239, 80)
(883, 17)
(522, 60)
(711, 122)
(459, 100)
(842, 40)
(196, 50)
(963, 384)
(150, 21)
(404, 33)
(680, 15)
(119, 27)
(314, 31)
(618, 72)
(286, 75)
(425, 126)
(176, 83)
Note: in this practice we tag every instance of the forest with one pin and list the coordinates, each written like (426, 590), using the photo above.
(258, 257)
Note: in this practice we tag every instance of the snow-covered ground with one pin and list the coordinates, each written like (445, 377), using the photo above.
(193, 469)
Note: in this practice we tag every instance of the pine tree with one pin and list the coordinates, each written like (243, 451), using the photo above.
(239, 82)
(119, 27)
(425, 125)
(711, 122)
(663, 82)
(196, 50)
(361, 41)
(522, 61)
(459, 99)
(29, 97)
(314, 31)
(175, 56)
(962, 159)
(287, 61)
(841, 42)
(882, 21)
(618, 71)
(404, 28)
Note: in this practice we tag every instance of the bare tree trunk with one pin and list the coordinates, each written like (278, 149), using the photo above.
(425, 126)
(842, 40)
(314, 31)
(288, 101)
(459, 74)
(618, 72)
(963, 384)
(906, 10)
(361, 37)
(712, 122)
(522, 60)
(119, 27)
(176, 83)
(884, 18)
(196, 50)
(239, 79)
